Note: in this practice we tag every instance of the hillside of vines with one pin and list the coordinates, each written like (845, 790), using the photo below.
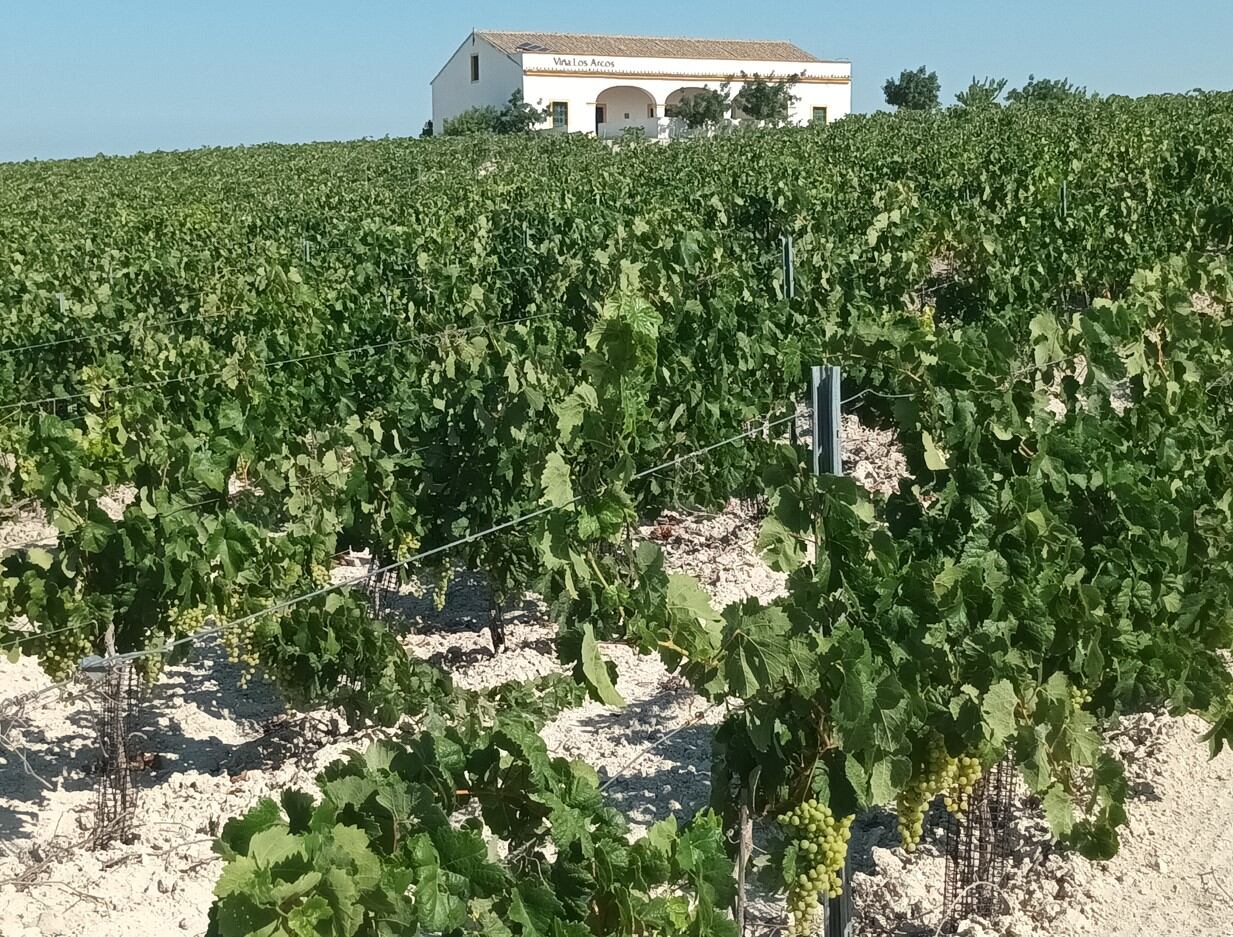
(502, 354)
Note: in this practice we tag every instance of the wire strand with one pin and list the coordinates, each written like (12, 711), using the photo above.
(110, 332)
(262, 366)
(870, 392)
(116, 659)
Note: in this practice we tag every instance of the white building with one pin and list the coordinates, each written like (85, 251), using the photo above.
(608, 84)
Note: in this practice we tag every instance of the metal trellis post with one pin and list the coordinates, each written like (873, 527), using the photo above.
(824, 399)
(827, 450)
(789, 267)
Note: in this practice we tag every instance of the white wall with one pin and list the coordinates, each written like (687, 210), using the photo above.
(453, 91)
(837, 99)
(580, 80)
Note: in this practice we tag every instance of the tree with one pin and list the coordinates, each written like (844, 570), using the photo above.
(766, 99)
(708, 106)
(516, 117)
(914, 90)
(981, 93)
(427, 131)
(473, 120)
(1048, 91)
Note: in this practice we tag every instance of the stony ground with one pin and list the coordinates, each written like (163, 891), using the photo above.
(216, 749)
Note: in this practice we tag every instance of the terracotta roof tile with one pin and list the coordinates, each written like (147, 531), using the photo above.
(759, 50)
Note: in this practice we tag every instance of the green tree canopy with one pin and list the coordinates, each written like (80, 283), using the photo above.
(917, 90)
(766, 99)
(981, 93)
(516, 117)
(705, 107)
(1048, 90)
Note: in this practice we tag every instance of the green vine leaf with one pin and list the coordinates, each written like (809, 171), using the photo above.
(558, 491)
(599, 673)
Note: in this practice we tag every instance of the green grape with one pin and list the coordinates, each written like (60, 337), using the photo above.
(60, 654)
(239, 641)
(321, 574)
(821, 841)
(952, 778)
(935, 776)
(965, 773)
(442, 587)
(150, 668)
(405, 547)
(182, 622)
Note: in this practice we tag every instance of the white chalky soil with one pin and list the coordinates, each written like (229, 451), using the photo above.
(220, 748)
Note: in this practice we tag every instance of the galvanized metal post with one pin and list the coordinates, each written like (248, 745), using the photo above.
(789, 267)
(824, 381)
(827, 446)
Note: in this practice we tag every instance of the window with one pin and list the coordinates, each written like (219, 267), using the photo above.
(650, 111)
(475, 68)
(560, 115)
(819, 115)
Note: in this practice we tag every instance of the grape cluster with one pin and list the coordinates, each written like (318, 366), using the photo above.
(182, 622)
(28, 469)
(965, 772)
(321, 574)
(913, 802)
(405, 547)
(821, 842)
(150, 668)
(60, 655)
(240, 643)
(953, 778)
(1080, 697)
(442, 587)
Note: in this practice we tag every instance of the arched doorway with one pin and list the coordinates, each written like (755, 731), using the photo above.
(624, 106)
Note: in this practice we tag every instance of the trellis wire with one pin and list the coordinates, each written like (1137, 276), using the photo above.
(978, 848)
(384, 582)
(99, 665)
(87, 336)
(262, 365)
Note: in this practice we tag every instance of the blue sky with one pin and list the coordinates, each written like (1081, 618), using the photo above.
(117, 76)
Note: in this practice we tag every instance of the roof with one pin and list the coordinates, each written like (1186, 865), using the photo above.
(756, 50)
